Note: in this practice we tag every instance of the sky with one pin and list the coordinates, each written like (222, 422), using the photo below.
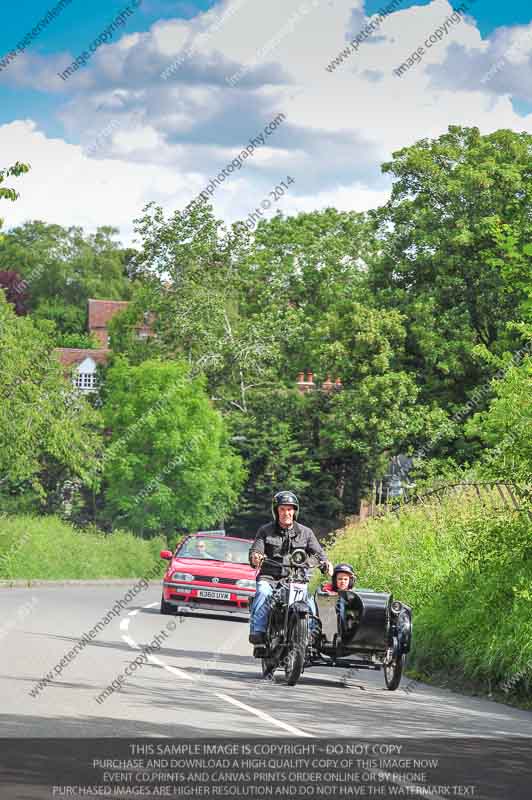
(172, 93)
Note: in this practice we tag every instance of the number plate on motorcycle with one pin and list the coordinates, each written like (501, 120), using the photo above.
(214, 595)
(298, 591)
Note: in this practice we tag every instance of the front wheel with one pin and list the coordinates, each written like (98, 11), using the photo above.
(167, 608)
(393, 672)
(269, 665)
(295, 657)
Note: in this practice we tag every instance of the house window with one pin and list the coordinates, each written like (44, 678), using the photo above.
(86, 380)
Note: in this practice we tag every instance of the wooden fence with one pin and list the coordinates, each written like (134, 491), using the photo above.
(495, 494)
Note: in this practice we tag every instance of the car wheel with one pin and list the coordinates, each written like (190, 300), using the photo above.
(166, 608)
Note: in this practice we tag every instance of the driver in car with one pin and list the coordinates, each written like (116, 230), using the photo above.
(273, 541)
(199, 550)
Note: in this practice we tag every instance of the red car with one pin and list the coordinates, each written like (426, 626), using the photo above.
(208, 571)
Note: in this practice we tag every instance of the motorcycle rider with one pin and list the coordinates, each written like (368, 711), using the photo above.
(273, 541)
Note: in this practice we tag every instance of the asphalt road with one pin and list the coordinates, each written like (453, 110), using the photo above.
(200, 680)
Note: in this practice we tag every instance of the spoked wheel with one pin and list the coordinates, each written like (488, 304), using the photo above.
(393, 672)
(271, 661)
(269, 665)
(295, 657)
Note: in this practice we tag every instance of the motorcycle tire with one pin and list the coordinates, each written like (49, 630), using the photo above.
(295, 657)
(271, 662)
(393, 672)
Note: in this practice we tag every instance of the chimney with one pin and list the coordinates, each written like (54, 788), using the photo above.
(303, 385)
(327, 385)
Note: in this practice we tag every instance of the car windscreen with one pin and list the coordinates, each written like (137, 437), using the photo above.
(229, 550)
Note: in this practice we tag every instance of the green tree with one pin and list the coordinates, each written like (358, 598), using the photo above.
(169, 463)
(304, 268)
(194, 282)
(276, 438)
(48, 433)
(505, 428)
(63, 268)
(452, 236)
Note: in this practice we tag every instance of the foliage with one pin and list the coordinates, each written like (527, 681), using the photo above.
(15, 290)
(63, 268)
(505, 428)
(468, 584)
(414, 306)
(7, 193)
(194, 283)
(169, 464)
(47, 431)
(123, 329)
(85, 341)
(452, 239)
(49, 548)
(278, 443)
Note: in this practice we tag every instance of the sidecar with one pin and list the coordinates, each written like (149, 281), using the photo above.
(373, 632)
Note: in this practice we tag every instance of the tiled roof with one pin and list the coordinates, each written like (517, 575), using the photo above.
(75, 355)
(101, 311)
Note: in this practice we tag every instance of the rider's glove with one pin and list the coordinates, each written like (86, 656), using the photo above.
(326, 567)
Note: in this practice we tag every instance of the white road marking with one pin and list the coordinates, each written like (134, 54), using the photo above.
(227, 698)
(266, 717)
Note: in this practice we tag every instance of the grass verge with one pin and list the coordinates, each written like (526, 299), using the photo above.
(47, 548)
(466, 570)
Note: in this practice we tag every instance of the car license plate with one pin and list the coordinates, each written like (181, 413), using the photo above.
(214, 595)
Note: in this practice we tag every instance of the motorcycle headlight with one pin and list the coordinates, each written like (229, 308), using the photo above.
(245, 584)
(182, 576)
(396, 606)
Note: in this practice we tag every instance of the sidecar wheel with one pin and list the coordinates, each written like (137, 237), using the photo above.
(393, 672)
(295, 657)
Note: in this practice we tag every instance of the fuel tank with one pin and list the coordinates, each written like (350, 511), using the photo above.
(367, 618)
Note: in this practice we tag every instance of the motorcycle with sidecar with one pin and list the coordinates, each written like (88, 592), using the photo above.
(373, 632)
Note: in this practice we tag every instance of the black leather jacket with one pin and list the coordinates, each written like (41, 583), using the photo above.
(276, 542)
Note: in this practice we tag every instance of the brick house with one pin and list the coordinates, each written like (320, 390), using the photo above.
(83, 363)
(100, 314)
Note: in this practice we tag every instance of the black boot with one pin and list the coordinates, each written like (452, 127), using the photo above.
(257, 638)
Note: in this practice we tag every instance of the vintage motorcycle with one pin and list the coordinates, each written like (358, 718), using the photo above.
(374, 632)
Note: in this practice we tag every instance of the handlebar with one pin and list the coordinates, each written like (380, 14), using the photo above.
(284, 566)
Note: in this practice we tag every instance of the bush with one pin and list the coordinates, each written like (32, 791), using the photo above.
(466, 570)
(50, 549)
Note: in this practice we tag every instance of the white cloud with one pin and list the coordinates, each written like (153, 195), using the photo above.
(66, 187)
(340, 125)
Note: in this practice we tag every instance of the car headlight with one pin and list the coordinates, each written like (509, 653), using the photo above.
(182, 576)
(245, 584)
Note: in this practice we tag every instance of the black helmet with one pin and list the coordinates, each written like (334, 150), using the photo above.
(284, 499)
(343, 568)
